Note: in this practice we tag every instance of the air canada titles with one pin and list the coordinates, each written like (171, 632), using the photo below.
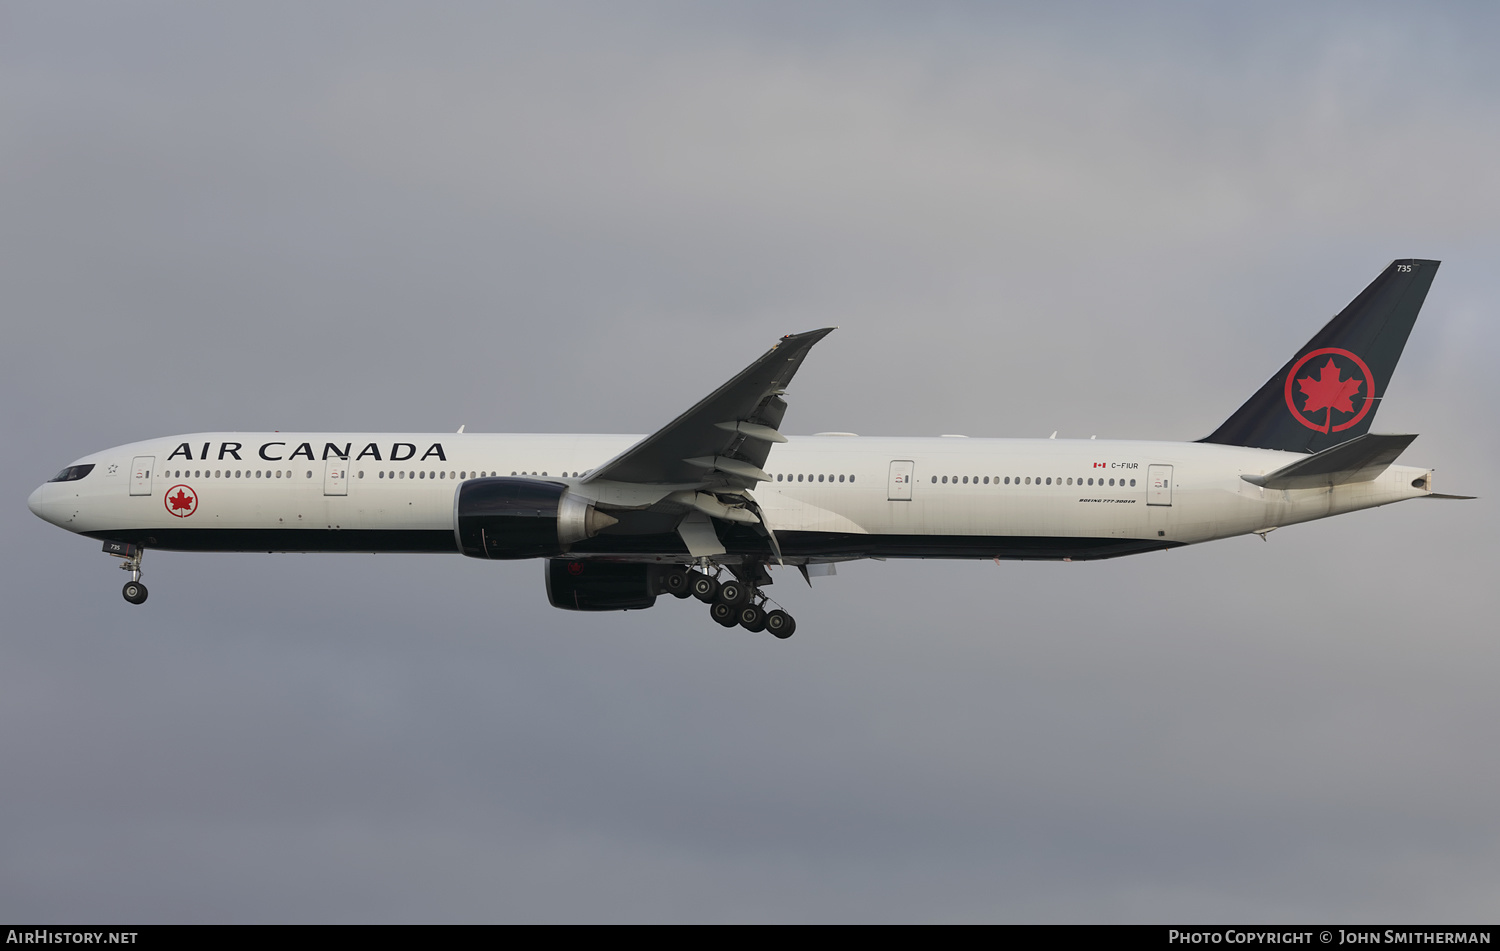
(276, 451)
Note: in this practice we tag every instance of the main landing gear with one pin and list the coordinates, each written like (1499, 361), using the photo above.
(134, 591)
(731, 602)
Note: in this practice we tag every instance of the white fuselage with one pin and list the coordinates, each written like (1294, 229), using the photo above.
(830, 498)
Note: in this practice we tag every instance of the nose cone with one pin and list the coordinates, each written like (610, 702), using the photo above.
(39, 505)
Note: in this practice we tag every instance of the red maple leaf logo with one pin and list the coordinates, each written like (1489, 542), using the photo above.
(1329, 392)
(181, 500)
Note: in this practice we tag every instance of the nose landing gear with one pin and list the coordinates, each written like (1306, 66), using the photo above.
(134, 591)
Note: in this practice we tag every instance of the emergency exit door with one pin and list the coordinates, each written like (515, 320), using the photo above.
(899, 487)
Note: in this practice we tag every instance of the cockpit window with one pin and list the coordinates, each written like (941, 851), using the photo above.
(72, 473)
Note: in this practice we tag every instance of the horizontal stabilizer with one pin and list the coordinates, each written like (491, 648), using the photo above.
(1439, 495)
(1361, 459)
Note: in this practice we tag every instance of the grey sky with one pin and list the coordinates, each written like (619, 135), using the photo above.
(557, 217)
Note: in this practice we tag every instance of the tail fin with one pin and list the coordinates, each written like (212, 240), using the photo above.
(1329, 391)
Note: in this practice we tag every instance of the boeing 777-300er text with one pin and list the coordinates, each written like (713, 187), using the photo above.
(704, 505)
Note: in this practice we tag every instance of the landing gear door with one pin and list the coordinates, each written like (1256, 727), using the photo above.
(1159, 485)
(899, 487)
(140, 474)
(336, 476)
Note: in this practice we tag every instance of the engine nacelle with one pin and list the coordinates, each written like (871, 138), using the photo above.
(586, 585)
(521, 518)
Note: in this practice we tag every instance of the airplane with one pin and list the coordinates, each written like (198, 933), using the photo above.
(705, 505)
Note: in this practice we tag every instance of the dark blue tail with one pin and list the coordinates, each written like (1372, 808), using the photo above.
(1329, 391)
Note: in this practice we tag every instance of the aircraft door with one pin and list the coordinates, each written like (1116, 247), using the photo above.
(899, 487)
(336, 476)
(1159, 485)
(140, 474)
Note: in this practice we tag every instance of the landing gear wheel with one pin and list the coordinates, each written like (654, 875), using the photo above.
(732, 592)
(705, 589)
(134, 592)
(724, 614)
(678, 583)
(752, 617)
(781, 624)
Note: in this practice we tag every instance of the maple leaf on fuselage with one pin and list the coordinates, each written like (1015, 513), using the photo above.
(1328, 391)
(181, 500)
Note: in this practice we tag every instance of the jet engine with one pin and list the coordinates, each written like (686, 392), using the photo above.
(521, 518)
(587, 585)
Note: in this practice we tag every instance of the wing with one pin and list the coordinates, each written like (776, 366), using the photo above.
(721, 443)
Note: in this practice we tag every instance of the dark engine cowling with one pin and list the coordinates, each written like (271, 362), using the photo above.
(521, 518)
(600, 585)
